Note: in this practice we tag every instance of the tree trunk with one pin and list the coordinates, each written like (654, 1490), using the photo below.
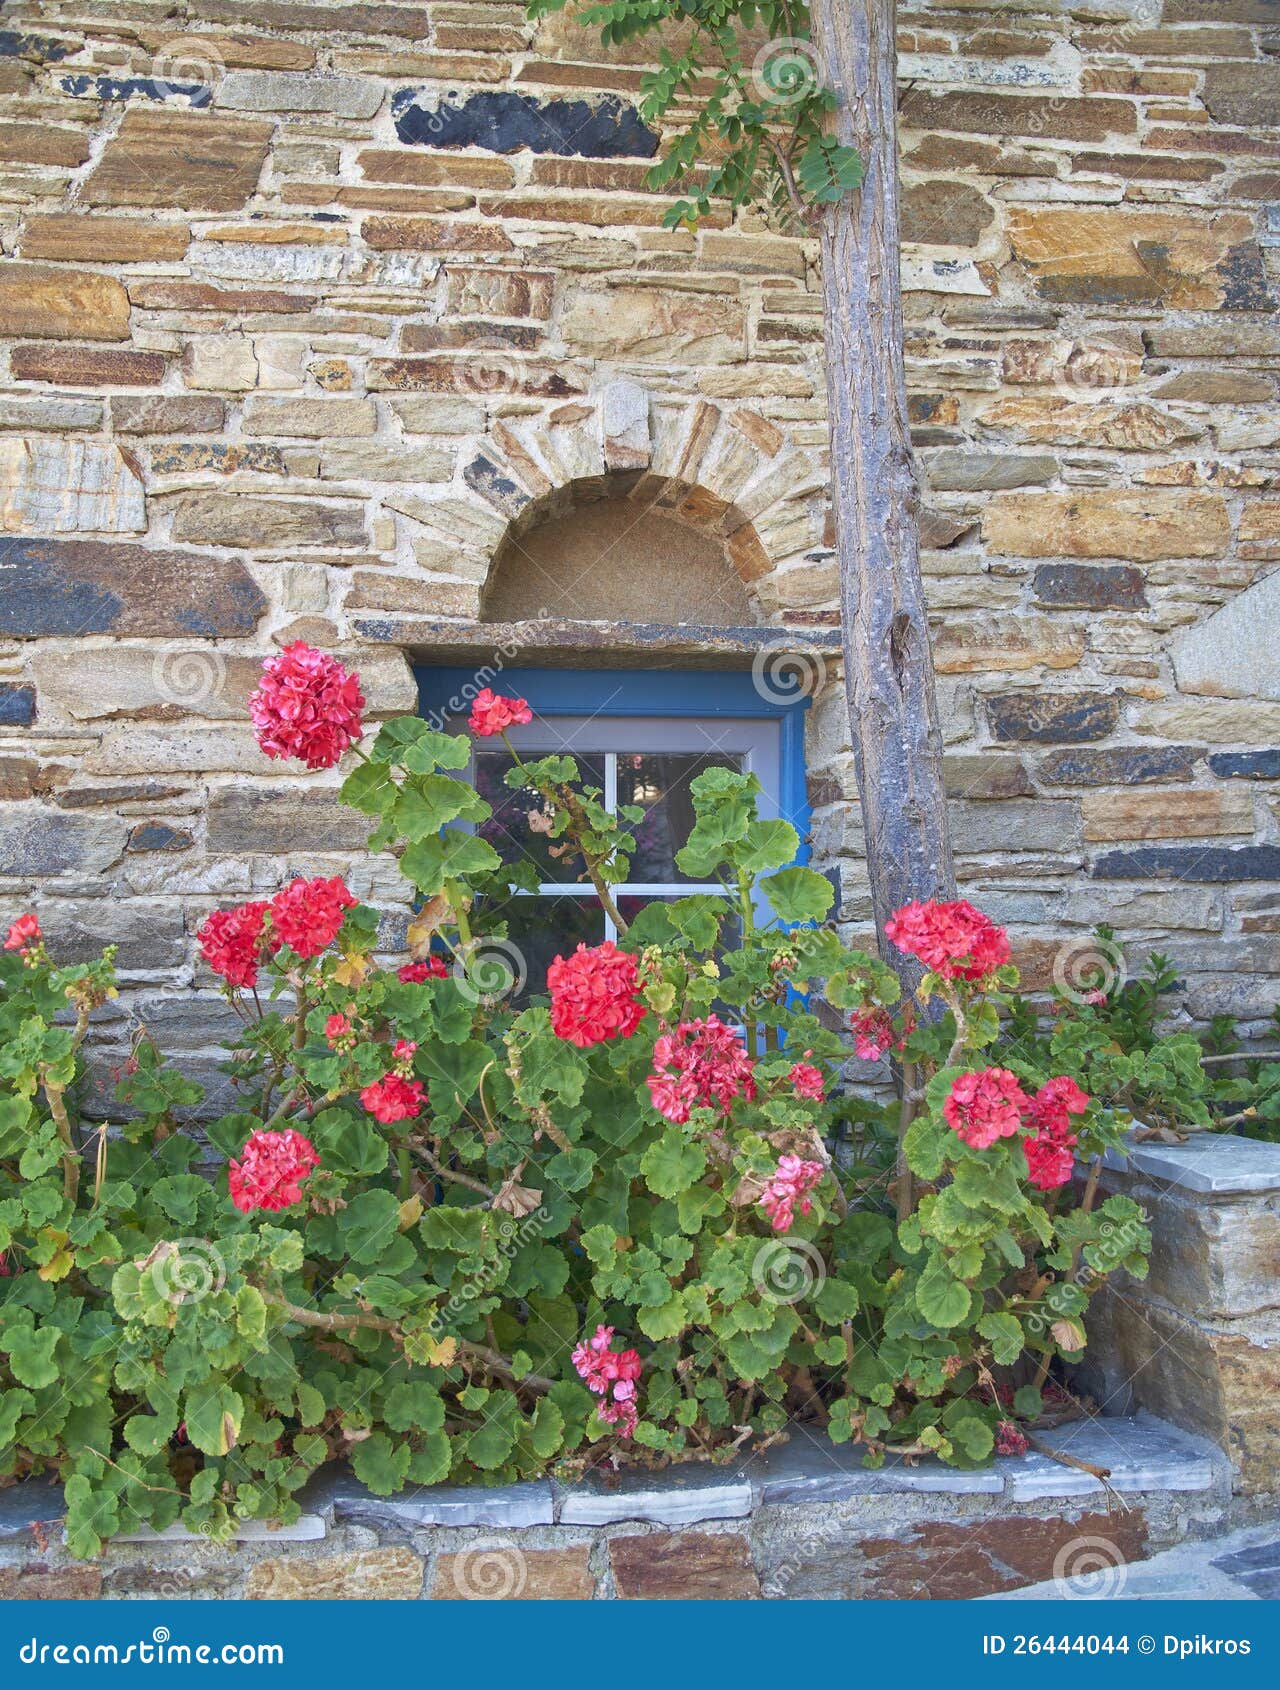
(888, 666)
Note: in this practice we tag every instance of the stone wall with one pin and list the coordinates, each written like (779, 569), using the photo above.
(303, 305)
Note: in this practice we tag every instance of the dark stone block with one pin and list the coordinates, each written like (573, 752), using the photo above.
(1121, 765)
(125, 87)
(50, 587)
(17, 705)
(1064, 718)
(684, 1566)
(15, 44)
(158, 836)
(1220, 863)
(503, 122)
(483, 476)
(1086, 586)
(1262, 1558)
(1246, 765)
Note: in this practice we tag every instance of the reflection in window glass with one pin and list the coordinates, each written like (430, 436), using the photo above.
(658, 783)
(518, 830)
(543, 928)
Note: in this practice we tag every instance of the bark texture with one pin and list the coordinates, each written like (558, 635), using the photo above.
(888, 666)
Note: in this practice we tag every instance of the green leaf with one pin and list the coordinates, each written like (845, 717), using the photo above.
(213, 1414)
(767, 845)
(941, 1299)
(828, 171)
(414, 1406)
(799, 894)
(368, 1224)
(489, 1445)
(672, 1163)
(431, 802)
(448, 1228)
(31, 1354)
(380, 1464)
(452, 856)
(1004, 1333)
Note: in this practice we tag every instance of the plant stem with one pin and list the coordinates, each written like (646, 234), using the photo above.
(904, 1183)
(480, 1354)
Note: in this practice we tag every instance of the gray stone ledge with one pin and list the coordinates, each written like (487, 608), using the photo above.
(1212, 1164)
(674, 1496)
(1141, 1454)
(1144, 1455)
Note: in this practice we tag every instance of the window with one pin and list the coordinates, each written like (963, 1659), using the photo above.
(641, 737)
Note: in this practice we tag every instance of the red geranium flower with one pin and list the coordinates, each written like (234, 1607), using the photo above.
(393, 1098)
(271, 1170)
(788, 1189)
(25, 931)
(491, 713)
(702, 1065)
(807, 1081)
(954, 940)
(1049, 1161)
(232, 943)
(337, 1032)
(414, 973)
(986, 1106)
(1054, 1104)
(1010, 1440)
(594, 995)
(307, 914)
(604, 1372)
(874, 1033)
(306, 706)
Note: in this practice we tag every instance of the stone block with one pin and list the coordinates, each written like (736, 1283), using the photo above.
(41, 301)
(1246, 765)
(509, 1573)
(17, 705)
(986, 113)
(42, 143)
(282, 819)
(225, 363)
(641, 322)
(152, 938)
(1088, 586)
(267, 524)
(939, 212)
(1139, 1454)
(505, 122)
(284, 91)
(366, 1575)
(48, 414)
(170, 158)
(1167, 813)
(377, 460)
(1030, 824)
(103, 240)
(167, 413)
(676, 1496)
(1232, 653)
(990, 644)
(36, 842)
(1120, 427)
(68, 486)
(87, 366)
(1211, 865)
(1147, 527)
(684, 1566)
(985, 775)
(77, 587)
(50, 1584)
(507, 1506)
(1127, 765)
(964, 470)
(310, 419)
(1041, 718)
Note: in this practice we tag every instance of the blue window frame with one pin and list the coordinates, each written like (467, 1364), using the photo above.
(640, 735)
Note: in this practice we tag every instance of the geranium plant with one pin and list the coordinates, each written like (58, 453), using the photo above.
(447, 1236)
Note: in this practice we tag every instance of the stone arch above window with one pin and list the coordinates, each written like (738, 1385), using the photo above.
(612, 556)
(715, 484)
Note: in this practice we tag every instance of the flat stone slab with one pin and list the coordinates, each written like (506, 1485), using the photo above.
(810, 1469)
(1142, 1454)
(1217, 1164)
(343, 1497)
(676, 1496)
(308, 1528)
(32, 1502)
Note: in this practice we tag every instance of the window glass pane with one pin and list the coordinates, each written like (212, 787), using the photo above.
(517, 828)
(659, 783)
(540, 929)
